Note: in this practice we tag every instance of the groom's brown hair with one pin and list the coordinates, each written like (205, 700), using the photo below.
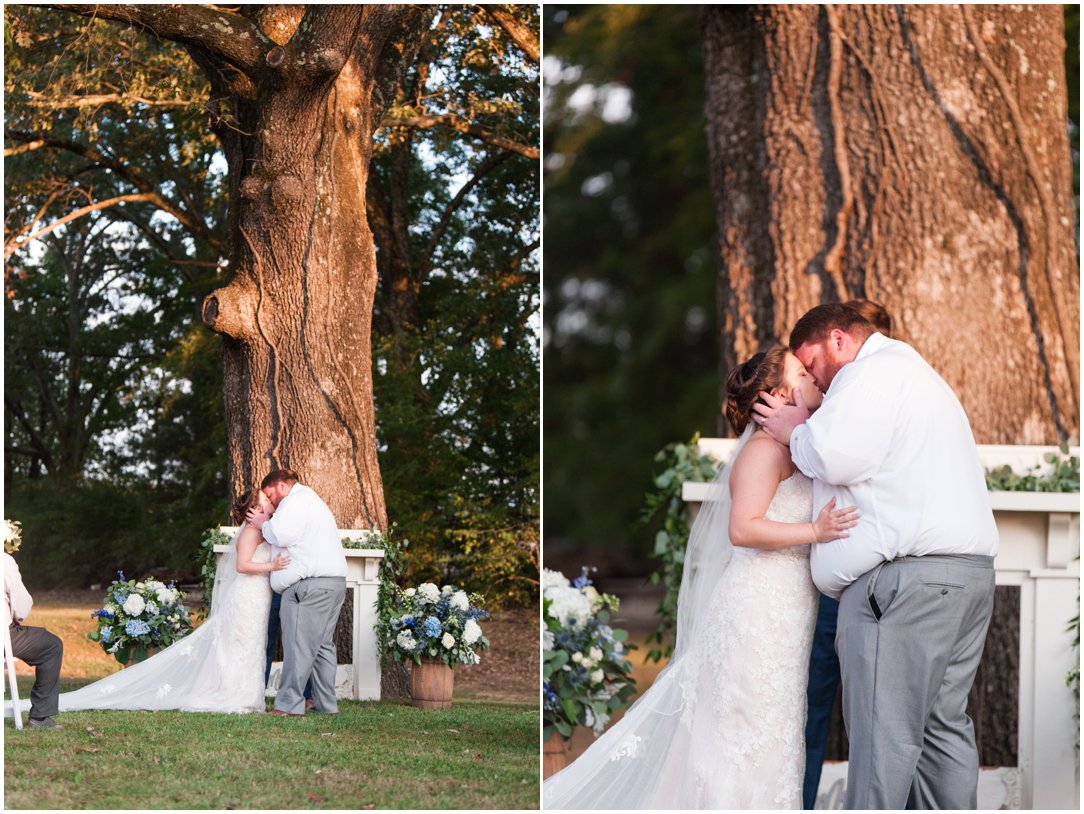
(278, 476)
(819, 320)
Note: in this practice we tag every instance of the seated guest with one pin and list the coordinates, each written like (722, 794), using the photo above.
(36, 646)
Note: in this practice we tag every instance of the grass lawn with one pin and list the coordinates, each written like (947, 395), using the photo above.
(481, 753)
(373, 754)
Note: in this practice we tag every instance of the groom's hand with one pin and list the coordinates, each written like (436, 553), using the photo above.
(257, 518)
(779, 418)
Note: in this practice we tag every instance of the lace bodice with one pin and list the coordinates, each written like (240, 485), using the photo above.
(793, 501)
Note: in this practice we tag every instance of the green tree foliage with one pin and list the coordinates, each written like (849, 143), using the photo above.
(456, 223)
(630, 353)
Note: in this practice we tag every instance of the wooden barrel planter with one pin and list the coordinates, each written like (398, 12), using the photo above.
(432, 684)
(555, 753)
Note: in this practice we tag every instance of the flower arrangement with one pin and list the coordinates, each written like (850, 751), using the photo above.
(137, 616)
(13, 536)
(585, 675)
(439, 623)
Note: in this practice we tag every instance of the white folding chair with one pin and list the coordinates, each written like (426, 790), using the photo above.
(9, 660)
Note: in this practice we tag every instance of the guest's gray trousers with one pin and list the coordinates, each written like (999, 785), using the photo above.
(310, 609)
(44, 651)
(911, 633)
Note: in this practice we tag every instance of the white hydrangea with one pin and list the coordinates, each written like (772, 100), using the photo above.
(152, 609)
(167, 596)
(471, 632)
(429, 592)
(553, 579)
(134, 605)
(459, 601)
(569, 606)
(405, 640)
(154, 585)
(448, 640)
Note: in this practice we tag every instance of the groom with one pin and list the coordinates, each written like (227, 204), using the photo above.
(313, 587)
(915, 578)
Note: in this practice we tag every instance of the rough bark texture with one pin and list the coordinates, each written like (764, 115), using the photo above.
(916, 156)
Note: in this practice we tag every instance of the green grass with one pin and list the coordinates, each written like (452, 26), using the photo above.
(384, 754)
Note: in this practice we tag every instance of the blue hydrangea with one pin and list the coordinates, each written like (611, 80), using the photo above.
(107, 635)
(431, 627)
(120, 597)
(137, 627)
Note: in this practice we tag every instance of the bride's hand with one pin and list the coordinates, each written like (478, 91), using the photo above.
(280, 562)
(832, 525)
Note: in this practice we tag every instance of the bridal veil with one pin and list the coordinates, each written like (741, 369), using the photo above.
(644, 760)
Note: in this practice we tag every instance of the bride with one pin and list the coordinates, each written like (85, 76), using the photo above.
(723, 726)
(218, 667)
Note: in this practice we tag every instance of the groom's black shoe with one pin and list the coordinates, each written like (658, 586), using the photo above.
(42, 723)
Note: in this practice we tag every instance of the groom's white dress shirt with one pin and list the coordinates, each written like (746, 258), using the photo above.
(892, 439)
(305, 528)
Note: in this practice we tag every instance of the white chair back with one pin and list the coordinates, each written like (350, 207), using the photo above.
(9, 660)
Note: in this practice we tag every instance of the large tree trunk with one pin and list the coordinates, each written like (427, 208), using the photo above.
(297, 313)
(916, 156)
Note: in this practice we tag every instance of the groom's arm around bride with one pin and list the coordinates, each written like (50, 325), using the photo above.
(313, 588)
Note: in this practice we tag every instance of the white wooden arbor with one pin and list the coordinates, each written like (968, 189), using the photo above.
(1039, 552)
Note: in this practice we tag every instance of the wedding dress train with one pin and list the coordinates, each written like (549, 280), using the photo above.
(218, 667)
(723, 726)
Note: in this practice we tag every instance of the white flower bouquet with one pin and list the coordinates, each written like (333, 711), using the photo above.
(137, 617)
(585, 675)
(438, 623)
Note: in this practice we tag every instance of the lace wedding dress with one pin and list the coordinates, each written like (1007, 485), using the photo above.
(218, 667)
(723, 726)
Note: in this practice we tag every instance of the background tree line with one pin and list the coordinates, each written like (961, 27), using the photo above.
(117, 191)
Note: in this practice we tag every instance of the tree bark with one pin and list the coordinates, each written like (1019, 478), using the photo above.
(916, 156)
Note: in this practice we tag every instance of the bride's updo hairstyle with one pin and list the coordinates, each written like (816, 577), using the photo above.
(242, 504)
(747, 381)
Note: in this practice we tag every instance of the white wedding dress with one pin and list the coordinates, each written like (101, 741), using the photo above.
(723, 726)
(218, 667)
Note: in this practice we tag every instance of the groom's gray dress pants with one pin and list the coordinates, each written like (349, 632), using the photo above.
(310, 609)
(910, 635)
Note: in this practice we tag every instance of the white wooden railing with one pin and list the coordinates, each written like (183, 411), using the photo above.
(1039, 552)
(359, 680)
